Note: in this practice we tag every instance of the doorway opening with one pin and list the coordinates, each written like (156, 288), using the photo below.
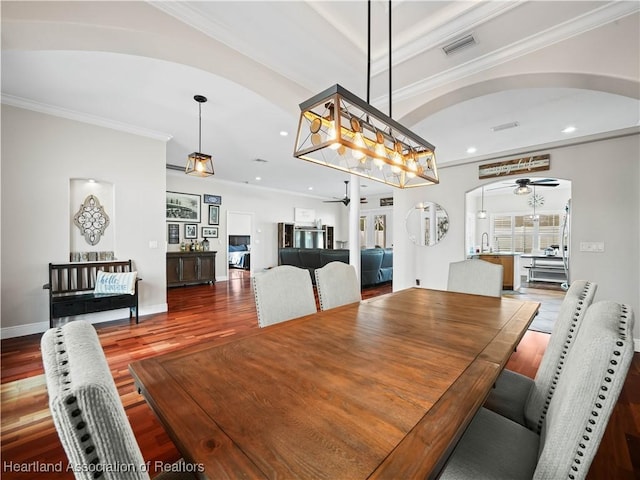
(239, 235)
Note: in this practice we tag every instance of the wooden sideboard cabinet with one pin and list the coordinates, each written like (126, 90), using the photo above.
(190, 268)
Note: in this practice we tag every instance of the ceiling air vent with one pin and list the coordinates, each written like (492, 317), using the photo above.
(459, 44)
(505, 126)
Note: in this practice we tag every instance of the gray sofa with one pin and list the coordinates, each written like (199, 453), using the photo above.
(376, 264)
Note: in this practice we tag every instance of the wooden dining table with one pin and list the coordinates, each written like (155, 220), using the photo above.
(383, 388)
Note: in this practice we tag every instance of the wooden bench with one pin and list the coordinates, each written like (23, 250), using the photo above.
(71, 288)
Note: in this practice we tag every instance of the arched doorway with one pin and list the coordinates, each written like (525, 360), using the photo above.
(533, 228)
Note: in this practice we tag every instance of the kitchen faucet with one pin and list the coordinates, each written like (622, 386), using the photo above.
(482, 242)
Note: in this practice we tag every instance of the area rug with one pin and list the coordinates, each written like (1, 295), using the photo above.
(542, 324)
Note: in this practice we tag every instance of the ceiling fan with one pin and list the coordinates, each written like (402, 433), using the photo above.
(523, 185)
(346, 200)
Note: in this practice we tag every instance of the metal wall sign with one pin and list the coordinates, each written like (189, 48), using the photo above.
(515, 167)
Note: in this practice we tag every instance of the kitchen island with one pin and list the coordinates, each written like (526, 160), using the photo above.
(510, 262)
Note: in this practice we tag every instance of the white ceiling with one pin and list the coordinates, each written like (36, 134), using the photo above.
(136, 66)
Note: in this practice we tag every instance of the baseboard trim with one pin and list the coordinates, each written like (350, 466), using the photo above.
(41, 327)
(636, 344)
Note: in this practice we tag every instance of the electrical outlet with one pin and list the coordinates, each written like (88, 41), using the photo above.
(417, 281)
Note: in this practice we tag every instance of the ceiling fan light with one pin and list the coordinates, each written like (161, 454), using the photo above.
(522, 190)
(482, 214)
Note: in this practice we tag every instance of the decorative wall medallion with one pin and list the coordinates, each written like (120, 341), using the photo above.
(91, 219)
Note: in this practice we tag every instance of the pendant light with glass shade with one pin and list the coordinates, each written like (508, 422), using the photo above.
(199, 164)
(482, 213)
(535, 217)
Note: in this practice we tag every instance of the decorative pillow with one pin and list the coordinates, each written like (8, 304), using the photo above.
(107, 282)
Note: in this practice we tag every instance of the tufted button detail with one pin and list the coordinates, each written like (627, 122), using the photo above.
(71, 400)
(81, 425)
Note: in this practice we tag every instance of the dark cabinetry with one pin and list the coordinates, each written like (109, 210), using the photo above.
(186, 268)
(285, 235)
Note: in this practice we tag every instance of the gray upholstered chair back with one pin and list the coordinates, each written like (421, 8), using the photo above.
(86, 407)
(283, 293)
(587, 392)
(337, 284)
(572, 311)
(475, 276)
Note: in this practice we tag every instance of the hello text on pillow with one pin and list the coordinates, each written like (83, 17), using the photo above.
(114, 283)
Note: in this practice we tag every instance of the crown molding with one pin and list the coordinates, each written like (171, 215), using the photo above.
(571, 28)
(26, 104)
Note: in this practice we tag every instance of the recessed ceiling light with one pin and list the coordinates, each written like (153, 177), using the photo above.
(91, 180)
(283, 133)
(258, 178)
(569, 129)
(472, 150)
(309, 188)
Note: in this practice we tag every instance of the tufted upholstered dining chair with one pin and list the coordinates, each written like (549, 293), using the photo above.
(337, 284)
(475, 276)
(86, 408)
(495, 447)
(519, 397)
(283, 293)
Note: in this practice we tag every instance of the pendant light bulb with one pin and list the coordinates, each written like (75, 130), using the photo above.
(482, 213)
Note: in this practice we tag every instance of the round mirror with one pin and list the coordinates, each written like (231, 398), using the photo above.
(427, 223)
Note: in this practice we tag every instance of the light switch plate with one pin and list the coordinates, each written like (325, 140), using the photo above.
(594, 247)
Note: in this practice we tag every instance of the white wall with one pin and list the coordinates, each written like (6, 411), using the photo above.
(605, 208)
(40, 154)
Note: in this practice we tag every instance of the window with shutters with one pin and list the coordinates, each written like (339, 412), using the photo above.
(521, 233)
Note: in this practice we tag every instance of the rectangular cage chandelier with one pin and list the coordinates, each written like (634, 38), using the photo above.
(337, 129)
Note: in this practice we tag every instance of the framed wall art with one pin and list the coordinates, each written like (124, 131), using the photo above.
(214, 215)
(209, 232)
(173, 233)
(190, 230)
(183, 207)
(212, 199)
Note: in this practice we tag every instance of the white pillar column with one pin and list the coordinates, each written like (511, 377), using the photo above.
(354, 223)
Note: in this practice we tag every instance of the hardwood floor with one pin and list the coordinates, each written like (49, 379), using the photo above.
(203, 312)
